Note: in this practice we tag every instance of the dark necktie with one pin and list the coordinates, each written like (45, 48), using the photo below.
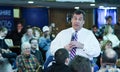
(73, 51)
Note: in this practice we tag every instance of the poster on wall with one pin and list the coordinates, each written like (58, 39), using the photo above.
(6, 17)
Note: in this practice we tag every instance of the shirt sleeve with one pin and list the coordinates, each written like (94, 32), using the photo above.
(56, 43)
(19, 63)
(92, 46)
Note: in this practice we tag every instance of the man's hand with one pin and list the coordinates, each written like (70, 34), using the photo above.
(6, 51)
(73, 44)
(76, 44)
(68, 47)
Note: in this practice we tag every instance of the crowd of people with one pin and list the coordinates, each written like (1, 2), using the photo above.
(75, 49)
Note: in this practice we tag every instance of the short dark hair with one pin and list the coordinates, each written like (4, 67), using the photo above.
(32, 39)
(109, 56)
(80, 64)
(61, 55)
(108, 17)
(79, 12)
(3, 29)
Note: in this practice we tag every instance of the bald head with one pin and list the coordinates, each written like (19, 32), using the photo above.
(109, 56)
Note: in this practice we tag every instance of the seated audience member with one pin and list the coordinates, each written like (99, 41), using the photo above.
(28, 35)
(108, 23)
(34, 51)
(26, 62)
(5, 66)
(108, 35)
(108, 61)
(45, 41)
(4, 49)
(96, 32)
(80, 64)
(61, 61)
(106, 44)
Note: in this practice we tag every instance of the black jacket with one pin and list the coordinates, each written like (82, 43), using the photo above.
(58, 68)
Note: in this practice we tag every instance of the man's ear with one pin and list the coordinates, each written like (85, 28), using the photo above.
(83, 22)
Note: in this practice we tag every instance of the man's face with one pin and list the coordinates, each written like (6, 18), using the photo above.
(3, 34)
(26, 49)
(95, 29)
(109, 21)
(19, 26)
(108, 45)
(77, 21)
(37, 33)
(30, 32)
(34, 44)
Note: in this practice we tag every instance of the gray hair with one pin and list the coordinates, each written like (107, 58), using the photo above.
(24, 44)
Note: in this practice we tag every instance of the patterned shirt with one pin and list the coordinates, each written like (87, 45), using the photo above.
(101, 29)
(27, 64)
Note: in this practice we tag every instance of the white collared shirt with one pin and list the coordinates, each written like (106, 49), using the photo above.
(91, 45)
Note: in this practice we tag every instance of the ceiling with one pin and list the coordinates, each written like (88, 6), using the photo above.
(54, 4)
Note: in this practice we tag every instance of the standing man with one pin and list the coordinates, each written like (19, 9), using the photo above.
(84, 43)
(17, 34)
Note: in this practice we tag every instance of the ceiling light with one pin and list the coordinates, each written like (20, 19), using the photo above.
(102, 7)
(76, 7)
(30, 2)
(92, 4)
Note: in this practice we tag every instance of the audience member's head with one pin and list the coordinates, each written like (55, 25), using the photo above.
(46, 31)
(62, 56)
(3, 32)
(19, 26)
(109, 56)
(45, 28)
(80, 64)
(37, 32)
(5, 66)
(29, 31)
(106, 44)
(34, 43)
(26, 48)
(94, 28)
(108, 19)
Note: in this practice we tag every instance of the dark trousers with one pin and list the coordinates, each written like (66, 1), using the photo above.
(47, 62)
(11, 58)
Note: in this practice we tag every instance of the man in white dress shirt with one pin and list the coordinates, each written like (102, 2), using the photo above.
(86, 45)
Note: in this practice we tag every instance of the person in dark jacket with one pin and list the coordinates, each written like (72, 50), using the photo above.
(4, 49)
(61, 62)
(34, 51)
